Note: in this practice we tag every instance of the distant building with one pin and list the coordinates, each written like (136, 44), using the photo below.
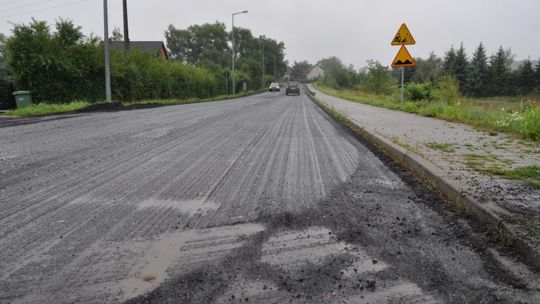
(315, 73)
(156, 48)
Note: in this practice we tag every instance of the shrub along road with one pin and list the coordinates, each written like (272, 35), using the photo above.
(263, 199)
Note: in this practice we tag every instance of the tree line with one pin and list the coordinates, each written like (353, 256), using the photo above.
(481, 75)
(259, 60)
(61, 64)
(478, 76)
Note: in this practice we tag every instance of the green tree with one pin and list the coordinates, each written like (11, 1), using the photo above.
(199, 43)
(336, 74)
(427, 70)
(478, 72)
(448, 61)
(274, 57)
(500, 77)
(3, 67)
(378, 79)
(447, 90)
(300, 70)
(245, 44)
(537, 77)
(460, 67)
(525, 77)
(117, 35)
(57, 66)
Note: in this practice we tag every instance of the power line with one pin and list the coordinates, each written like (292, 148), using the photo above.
(9, 1)
(24, 6)
(44, 9)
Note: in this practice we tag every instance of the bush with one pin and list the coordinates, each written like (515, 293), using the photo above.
(418, 91)
(447, 90)
(378, 79)
(59, 66)
(65, 65)
(530, 124)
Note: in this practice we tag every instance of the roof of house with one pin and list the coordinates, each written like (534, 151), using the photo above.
(152, 47)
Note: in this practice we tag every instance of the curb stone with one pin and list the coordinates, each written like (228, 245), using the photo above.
(434, 177)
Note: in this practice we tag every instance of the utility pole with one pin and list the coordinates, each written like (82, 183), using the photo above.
(108, 94)
(234, 51)
(126, 28)
(262, 79)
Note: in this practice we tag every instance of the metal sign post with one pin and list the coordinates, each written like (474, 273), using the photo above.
(403, 58)
(402, 83)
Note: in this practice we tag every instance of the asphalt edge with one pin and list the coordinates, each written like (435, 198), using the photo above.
(434, 177)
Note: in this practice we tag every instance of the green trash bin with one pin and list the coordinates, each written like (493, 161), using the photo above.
(23, 99)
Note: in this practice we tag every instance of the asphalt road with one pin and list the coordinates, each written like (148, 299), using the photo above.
(262, 199)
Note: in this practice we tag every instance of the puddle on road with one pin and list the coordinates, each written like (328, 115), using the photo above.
(111, 272)
(183, 251)
(189, 207)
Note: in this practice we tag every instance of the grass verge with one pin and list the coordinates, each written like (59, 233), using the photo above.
(522, 118)
(44, 109)
(48, 108)
(529, 174)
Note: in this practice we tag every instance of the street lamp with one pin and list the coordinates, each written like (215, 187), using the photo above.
(234, 51)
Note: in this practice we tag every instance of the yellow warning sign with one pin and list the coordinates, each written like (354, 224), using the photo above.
(403, 59)
(403, 36)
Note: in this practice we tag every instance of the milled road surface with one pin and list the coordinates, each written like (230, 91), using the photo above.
(263, 199)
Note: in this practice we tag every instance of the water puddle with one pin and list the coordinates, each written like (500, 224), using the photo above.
(189, 207)
(183, 251)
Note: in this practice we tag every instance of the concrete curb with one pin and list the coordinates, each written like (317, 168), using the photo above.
(435, 178)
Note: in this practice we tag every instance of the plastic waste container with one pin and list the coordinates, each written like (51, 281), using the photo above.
(23, 99)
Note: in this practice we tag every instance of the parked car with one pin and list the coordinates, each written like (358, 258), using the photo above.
(292, 88)
(274, 86)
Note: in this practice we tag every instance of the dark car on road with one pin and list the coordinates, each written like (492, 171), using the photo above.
(292, 88)
(274, 87)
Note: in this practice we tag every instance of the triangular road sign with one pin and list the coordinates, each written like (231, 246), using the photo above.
(403, 59)
(403, 36)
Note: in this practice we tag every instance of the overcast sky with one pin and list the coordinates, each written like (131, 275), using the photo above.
(353, 30)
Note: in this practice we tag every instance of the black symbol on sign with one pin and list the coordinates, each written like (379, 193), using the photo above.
(407, 61)
(397, 38)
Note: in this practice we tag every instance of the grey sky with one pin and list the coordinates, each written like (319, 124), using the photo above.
(353, 30)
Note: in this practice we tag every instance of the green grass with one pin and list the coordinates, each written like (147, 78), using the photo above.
(529, 172)
(44, 109)
(517, 116)
(48, 109)
(448, 148)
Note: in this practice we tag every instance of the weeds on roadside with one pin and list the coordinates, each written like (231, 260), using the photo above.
(48, 108)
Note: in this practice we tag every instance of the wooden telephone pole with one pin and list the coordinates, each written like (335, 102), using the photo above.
(126, 28)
